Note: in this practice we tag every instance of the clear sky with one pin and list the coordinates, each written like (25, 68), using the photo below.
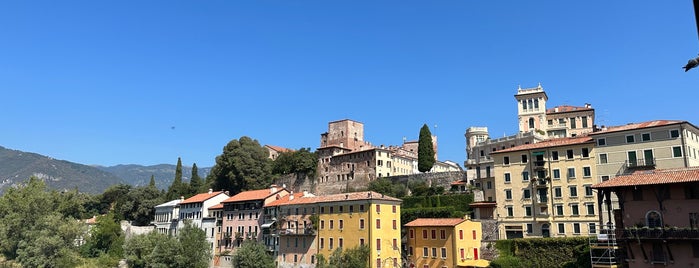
(145, 82)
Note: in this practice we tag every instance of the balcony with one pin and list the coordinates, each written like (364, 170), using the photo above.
(671, 233)
(640, 163)
(297, 231)
(539, 165)
(238, 236)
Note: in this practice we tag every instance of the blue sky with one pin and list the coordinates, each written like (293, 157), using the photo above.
(105, 82)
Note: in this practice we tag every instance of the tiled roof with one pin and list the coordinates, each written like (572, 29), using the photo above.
(283, 200)
(632, 126)
(548, 144)
(567, 109)
(653, 177)
(458, 182)
(279, 148)
(435, 222)
(217, 206)
(170, 203)
(200, 197)
(252, 195)
(366, 195)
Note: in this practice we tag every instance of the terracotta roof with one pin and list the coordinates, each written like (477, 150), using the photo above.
(435, 222)
(458, 182)
(252, 195)
(200, 197)
(652, 177)
(366, 195)
(567, 109)
(548, 144)
(283, 200)
(632, 126)
(217, 206)
(279, 148)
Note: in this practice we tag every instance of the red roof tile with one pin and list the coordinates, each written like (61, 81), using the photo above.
(566, 109)
(435, 222)
(252, 195)
(217, 206)
(632, 126)
(283, 200)
(279, 148)
(548, 144)
(366, 195)
(200, 197)
(652, 177)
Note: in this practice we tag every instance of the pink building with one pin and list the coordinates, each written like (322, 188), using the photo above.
(243, 216)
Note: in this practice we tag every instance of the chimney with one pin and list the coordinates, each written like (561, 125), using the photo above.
(291, 195)
(555, 109)
(273, 188)
(587, 105)
(181, 198)
(211, 190)
(227, 193)
(305, 193)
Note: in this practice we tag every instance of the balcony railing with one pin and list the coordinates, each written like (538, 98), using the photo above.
(659, 233)
(640, 163)
(297, 231)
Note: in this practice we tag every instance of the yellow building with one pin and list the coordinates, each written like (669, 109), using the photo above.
(544, 189)
(344, 221)
(444, 243)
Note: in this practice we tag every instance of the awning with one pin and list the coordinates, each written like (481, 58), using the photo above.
(538, 153)
(474, 263)
(267, 225)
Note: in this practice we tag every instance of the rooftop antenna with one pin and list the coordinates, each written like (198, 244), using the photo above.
(695, 61)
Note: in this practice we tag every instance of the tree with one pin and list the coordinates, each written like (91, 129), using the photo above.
(425, 150)
(301, 161)
(252, 255)
(177, 188)
(138, 249)
(138, 205)
(386, 186)
(152, 181)
(193, 240)
(243, 165)
(195, 183)
(105, 237)
(357, 257)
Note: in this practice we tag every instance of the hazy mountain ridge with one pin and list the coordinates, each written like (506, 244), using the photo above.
(18, 166)
(164, 174)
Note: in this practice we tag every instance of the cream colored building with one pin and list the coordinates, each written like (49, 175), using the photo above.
(658, 144)
(544, 189)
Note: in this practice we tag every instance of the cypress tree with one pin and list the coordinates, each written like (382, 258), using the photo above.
(195, 183)
(425, 150)
(177, 187)
(152, 181)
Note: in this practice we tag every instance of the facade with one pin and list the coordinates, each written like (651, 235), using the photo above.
(309, 225)
(657, 222)
(544, 189)
(658, 144)
(243, 216)
(556, 122)
(437, 243)
(274, 151)
(166, 217)
(196, 208)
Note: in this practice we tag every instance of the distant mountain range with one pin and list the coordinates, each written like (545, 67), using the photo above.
(17, 166)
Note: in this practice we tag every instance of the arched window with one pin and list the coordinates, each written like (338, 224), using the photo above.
(653, 219)
(531, 122)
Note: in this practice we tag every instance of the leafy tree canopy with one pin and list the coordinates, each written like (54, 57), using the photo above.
(301, 161)
(357, 257)
(425, 150)
(252, 255)
(386, 186)
(243, 165)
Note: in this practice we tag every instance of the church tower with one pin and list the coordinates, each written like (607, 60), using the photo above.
(531, 108)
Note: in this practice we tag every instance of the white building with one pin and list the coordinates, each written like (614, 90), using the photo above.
(166, 217)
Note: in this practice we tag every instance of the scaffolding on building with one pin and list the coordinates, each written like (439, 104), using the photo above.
(604, 249)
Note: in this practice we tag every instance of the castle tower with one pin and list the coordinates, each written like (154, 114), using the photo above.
(344, 133)
(474, 135)
(531, 108)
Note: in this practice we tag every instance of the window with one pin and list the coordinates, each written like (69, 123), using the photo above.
(434, 252)
(653, 219)
(630, 139)
(378, 244)
(462, 253)
(332, 209)
(507, 177)
(645, 137)
(585, 152)
(604, 178)
(524, 158)
(572, 123)
(531, 122)
(561, 228)
(557, 192)
(592, 227)
(442, 234)
(361, 224)
(602, 158)
(394, 224)
(528, 211)
(530, 228)
(569, 154)
(573, 191)
(574, 209)
(342, 224)
(330, 243)
(559, 210)
(554, 155)
(556, 174)
(412, 233)
(461, 234)
(571, 173)
(508, 194)
(444, 253)
(424, 234)
(322, 242)
(351, 209)
(674, 133)
(526, 194)
(378, 208)
(525, 176)
(322, 224)
(586, 172)
(395, 243)
(332, 224)
(393, 208)
(506, 160)
(473, 234)
(361, 241)
(488, 185)
(434, 234)
(378, 223)
(693, 220)
(576, 228)
(341, 209)
(339, 242)
(584, 121)
(590, 208)
(588, 190)
(361, 208)
(510, 212)
(410, 251)
(425, 253)
(676, 151)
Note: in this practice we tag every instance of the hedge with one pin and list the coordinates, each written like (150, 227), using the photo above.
(541, 252)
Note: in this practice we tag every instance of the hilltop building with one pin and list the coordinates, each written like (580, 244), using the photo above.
(274, 151)
(167, 216)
